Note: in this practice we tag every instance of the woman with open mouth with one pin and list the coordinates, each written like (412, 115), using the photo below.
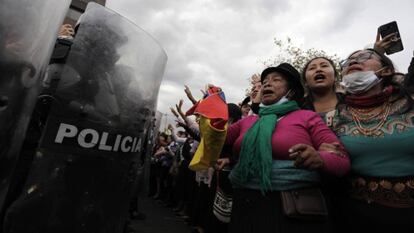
(376, 125)
(320, 78)
(279, 157)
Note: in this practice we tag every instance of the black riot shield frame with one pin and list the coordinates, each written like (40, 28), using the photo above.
(28, 30)
(84, 168)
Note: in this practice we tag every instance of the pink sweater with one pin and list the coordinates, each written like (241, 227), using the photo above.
(301, 126)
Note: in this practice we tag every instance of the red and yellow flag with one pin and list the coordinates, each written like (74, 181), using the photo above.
(213, 114)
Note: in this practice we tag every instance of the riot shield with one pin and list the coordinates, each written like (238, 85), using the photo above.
(85, 165)
(28, 29)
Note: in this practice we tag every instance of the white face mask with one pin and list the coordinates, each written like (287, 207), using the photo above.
(282, 100)
(360, 82)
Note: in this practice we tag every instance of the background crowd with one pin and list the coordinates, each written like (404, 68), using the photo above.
(304, 137)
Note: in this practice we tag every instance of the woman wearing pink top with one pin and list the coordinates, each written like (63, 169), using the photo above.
(278, 151)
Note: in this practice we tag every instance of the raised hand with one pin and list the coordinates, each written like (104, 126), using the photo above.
(179, 109)
(381, 45)
(174, 112)
(170, 127)
(180, 124)
(66, 30)
(189, 94)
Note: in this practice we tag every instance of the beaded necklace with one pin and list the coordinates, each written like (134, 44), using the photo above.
(364, 115)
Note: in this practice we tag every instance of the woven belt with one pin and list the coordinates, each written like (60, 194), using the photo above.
(391, 192)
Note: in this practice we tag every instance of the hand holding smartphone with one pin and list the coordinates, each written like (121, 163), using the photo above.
(391, 40)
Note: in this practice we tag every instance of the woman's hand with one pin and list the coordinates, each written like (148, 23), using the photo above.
(221, 163)
(255, 96)
(159, 152)
(66, 30)
(179, 107)
(189, 94)
(334, 148)
(180, 123)
(381, 45)
(305, 156)
(174, 112)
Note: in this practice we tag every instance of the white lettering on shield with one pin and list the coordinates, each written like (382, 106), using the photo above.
(90, 138)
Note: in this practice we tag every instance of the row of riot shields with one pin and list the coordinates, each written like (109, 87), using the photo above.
(28, 30)
(73, 167)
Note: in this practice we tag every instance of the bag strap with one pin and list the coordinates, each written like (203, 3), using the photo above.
(217, 179)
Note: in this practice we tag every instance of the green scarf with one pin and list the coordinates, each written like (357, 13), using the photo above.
(256, 150)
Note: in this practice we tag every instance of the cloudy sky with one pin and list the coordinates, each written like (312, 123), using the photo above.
(226, 41)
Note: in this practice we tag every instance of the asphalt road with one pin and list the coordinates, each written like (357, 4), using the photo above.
(159, 219)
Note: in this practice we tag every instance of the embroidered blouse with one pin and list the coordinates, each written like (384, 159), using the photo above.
(389, 152)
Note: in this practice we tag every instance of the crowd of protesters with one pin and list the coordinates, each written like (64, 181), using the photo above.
(173, 184)
(303, 139)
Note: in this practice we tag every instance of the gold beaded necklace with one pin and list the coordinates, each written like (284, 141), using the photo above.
(364, 115)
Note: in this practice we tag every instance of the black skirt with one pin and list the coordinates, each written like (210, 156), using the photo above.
(254, 212)
(357, 215)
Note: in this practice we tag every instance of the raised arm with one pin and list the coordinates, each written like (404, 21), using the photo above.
(174, 135)
(382, 44)
(189, 94)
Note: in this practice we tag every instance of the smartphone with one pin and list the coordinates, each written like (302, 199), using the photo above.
(396, 45)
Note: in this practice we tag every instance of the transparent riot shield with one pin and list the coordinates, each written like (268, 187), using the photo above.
(84, 168)
(28, 30)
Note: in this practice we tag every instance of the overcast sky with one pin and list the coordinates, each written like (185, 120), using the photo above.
(224, 42)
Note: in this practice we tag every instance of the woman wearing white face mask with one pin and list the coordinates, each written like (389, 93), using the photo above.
(278, 151)
(376, 125)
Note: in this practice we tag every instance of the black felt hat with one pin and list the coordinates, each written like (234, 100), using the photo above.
(245, 101)
(291, 75)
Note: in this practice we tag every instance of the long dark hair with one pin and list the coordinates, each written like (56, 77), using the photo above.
(403, 92)
(308, 103)
(336, 72)
(385, 62)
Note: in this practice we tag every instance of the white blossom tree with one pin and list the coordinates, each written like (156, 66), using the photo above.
(288, 52)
